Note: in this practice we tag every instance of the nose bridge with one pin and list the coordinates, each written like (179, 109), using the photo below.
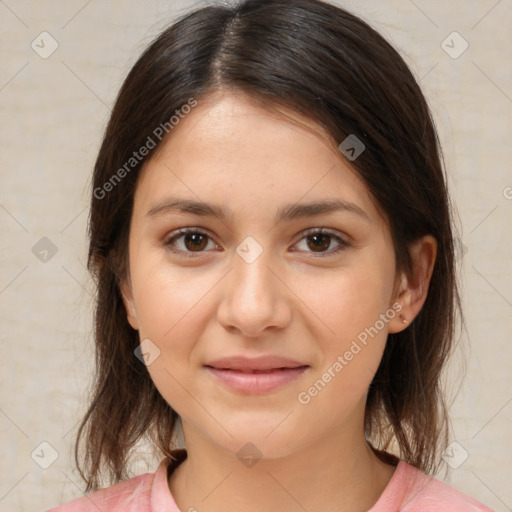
(253, 299)
(252, 279)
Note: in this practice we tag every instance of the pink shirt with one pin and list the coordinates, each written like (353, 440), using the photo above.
(409, 490)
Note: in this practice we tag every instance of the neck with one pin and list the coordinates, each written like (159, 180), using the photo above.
(336, 474)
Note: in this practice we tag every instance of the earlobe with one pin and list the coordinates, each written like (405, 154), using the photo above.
(414, 288)
(400, 301)
(129, 305)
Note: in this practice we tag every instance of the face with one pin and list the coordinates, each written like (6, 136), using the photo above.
(266, 277)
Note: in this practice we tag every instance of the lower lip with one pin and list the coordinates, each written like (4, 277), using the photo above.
(256, 383)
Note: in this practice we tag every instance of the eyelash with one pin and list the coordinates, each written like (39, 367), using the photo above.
(310, 232)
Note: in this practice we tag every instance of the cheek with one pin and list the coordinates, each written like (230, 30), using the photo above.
(349, 357)
(166, 295)
(348, 326)
(345, 301)
(174, 307)
(171, 311)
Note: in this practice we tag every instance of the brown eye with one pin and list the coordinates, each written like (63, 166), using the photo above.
(188, 241)
(195, 241)
(319, 241)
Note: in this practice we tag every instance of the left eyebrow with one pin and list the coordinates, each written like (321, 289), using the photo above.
(288, 213)
(300, 210)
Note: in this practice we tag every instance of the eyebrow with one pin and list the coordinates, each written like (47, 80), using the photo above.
(287, 213)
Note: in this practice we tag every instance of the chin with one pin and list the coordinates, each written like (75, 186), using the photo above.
(261, 438)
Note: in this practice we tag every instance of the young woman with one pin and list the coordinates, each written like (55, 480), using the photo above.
(271, 237)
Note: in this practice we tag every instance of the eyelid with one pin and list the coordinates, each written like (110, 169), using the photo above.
(343, 242)
(184, 231)
(320, 230)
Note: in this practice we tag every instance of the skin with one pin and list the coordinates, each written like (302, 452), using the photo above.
(207, 303)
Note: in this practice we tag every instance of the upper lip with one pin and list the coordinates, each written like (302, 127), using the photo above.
(266, 362)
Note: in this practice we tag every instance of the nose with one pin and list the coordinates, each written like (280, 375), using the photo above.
(255, 298)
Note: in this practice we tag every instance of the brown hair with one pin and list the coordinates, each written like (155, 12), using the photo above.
(333, 68)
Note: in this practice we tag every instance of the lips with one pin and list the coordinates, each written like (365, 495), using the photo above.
(261, 364)
(255, 376)
(250, 371)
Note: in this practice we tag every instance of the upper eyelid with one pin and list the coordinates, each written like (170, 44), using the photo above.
(303, 234)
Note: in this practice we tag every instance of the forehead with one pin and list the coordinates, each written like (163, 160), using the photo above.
(236, 152)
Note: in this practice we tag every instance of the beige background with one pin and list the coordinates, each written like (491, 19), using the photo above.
(53, 112)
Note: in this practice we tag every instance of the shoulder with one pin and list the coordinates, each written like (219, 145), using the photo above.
(133, 494)
(414, 491)
(143, 493)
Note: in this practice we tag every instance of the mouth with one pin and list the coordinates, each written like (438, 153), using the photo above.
(262, 363)
(251, 381)
(252, 370)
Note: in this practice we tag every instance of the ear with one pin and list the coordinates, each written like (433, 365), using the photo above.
(412, 291)
(129, 304)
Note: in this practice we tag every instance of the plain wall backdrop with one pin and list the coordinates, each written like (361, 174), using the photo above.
(54, 108)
